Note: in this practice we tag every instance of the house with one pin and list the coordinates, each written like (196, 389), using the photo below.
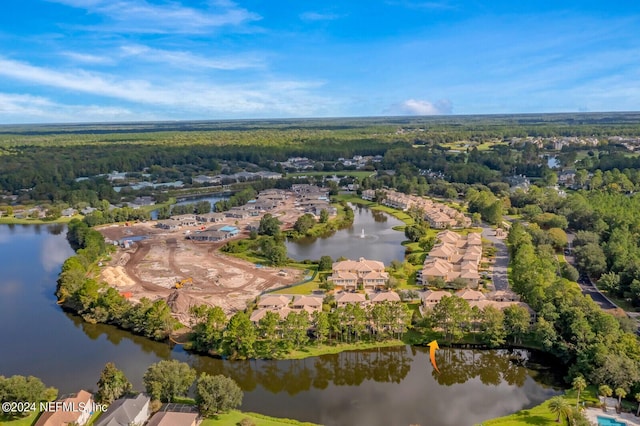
(384, 296)
(431, 298)
(68, 212)
(504, 296)
(172, 418)
(274, 301)
(367, 273)
(238, 213)
(308, 303)
(186, 219)
(470, 295)
(82, 404)
(343, 299)
(210, 217)
(208, 235)
(126, 411)
(169, 224)
(231, 231)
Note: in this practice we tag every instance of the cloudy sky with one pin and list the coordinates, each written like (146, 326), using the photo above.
(126, 60)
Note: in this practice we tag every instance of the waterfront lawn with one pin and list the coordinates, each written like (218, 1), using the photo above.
(24, 421)
(11, 220)
(540, 414)
(234, 418)
(317, 350)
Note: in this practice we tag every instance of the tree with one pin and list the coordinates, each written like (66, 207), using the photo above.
(605, 391)
(217, 394)
(24, 389)
(276, 254)
(558, 238)
(324, 216)
(569, 272)
(269, 225)
(168, 379)
(239, 337)
(304, 223)
(112, 384)
(559, 406)
(516, 322)
(414, 233)
(322, 326)
(493, 326)
(620, 393)
(591, 259)
(325, 264)
(451, 313)
(579, 384)
(637, 397)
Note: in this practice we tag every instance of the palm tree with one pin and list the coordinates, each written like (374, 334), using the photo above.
(605, 391)
(637, 396)
(579, 384)
(558, 405)
(620, 393)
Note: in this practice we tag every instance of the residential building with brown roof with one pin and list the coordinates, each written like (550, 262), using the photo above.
(351, 273)
(454, 257)
(384, 296)
(274, 301)
(82, 404)
(343, 299)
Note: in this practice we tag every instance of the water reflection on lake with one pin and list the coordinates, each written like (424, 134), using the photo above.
(380, 241)
(391, 386)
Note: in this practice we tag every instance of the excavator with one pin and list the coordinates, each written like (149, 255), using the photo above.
(181, 283)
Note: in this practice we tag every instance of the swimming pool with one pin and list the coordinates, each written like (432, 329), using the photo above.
(608, 421)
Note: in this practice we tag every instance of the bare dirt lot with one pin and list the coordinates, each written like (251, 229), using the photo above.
(151, 267)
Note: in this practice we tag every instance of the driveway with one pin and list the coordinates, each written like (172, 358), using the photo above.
(500, 280)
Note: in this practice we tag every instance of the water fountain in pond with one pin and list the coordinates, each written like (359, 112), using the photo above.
(362, 234)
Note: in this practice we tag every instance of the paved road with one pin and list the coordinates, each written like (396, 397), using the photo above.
(590, 290)
(586, 285)
(500, 280)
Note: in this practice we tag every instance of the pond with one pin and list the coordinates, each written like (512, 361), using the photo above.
(371, 236)
(392, 386)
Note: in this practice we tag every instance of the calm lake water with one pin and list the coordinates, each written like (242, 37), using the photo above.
(395, 386)
(380, 242)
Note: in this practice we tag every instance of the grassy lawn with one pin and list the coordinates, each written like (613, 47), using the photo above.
(15, 221)
(305, 288)
(149, 209)
(234, 417)
(540, 414)
(25, 421)
(360, 174)
(316, 350)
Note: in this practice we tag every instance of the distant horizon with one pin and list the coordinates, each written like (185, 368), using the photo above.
(293, 119)
(90, 61)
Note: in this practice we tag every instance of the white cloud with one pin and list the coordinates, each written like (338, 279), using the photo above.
(187, 60)
(140, 16)
(270, 97)
(88, 58)
(420, 107)
(21, 108)
(316, 16)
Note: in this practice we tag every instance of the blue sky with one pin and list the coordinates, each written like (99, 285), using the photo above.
(128, 60)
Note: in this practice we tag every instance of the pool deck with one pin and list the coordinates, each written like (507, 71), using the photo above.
(627, 418)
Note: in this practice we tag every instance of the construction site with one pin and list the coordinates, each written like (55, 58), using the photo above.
(162, 264)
